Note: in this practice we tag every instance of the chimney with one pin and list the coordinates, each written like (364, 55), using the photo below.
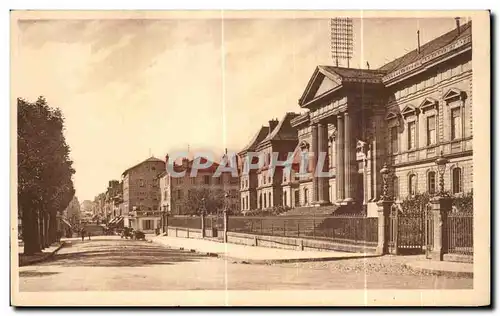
(457, 21)
(418, 41)
(272, 125)
(166, 158)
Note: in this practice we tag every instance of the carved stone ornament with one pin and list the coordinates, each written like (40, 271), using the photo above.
(304, 145)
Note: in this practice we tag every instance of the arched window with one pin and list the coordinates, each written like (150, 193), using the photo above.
(431, 182)
(284, 199)
(265, 201)
(412, 184)
(456, 180)
(395, 187)
(306, 196)
(270, 203)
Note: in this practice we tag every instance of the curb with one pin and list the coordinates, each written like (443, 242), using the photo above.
(44, 258)
(461, 274)
(265, 261)
(294, 260)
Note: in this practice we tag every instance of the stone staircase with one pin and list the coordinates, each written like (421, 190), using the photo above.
(311, 211)
(323, 210)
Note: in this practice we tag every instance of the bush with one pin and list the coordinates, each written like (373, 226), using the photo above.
(464, 202)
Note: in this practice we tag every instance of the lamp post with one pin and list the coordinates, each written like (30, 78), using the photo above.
(163, 215)
(385, 177)
(441, 165)
(226, 203)
(202, 215)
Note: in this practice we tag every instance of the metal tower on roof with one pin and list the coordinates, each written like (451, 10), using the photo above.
(341, 39)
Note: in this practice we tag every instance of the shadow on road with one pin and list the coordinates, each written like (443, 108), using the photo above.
(121, 254)
(33, 273)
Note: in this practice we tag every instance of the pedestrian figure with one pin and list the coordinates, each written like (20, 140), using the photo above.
(82, 232)
(89, 235)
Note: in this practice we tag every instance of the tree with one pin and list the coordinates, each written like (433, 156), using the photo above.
(192, 203)
(45, 186)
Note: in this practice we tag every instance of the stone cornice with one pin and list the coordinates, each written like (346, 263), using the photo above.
(466, 41)
(299, 120)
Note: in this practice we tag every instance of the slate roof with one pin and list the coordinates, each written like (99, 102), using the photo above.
(348, 73)
(283, 131)
(428, 48)
(256, 139)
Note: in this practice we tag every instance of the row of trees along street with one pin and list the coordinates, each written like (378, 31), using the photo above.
(45, 185)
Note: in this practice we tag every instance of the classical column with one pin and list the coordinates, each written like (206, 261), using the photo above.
(348, 157)
(339, 168)
(314, 158)
(323, 149)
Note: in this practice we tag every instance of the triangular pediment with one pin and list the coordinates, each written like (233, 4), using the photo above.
(321, 82)
(452, 93)
(391, 116)
(428, 103)
(409, 110)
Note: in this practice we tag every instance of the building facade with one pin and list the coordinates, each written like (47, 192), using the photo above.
(141, 194)
(180, 195)
(404, 114)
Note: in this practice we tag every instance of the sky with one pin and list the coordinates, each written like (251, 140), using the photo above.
(131, 89)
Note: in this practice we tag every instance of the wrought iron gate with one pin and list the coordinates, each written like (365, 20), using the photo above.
(410, 231)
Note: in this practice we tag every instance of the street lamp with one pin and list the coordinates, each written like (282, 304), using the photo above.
(385, 177)
(441, 165)
(203, 206)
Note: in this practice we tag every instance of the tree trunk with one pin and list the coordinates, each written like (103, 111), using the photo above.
(47, 229)
(41, 230)
(53, 227)
(30, 231)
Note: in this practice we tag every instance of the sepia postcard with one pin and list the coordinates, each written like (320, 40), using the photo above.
(250, 158)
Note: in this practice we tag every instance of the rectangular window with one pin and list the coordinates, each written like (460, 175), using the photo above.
(141, 182)
(411, 135)
(206, 179)
(431, 130)
(193, 180)
(456, 124)
(394, 139)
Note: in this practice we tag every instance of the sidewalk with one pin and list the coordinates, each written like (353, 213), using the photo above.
(447, 268)
(46, 253)
(251, 254)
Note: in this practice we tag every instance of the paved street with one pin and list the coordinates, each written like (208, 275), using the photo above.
(118, 265)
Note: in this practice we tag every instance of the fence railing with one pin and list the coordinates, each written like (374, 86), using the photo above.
(460, 233)
(185, 221)
(344, 229)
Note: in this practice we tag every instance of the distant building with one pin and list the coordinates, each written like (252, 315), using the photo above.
(176, 191)
(141, 194)
(113, 202)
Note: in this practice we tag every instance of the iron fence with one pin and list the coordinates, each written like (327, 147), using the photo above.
(185, 222)
(460, 233)
(354, 229)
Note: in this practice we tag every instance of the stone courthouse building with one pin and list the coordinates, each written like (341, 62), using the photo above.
(404, 113)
